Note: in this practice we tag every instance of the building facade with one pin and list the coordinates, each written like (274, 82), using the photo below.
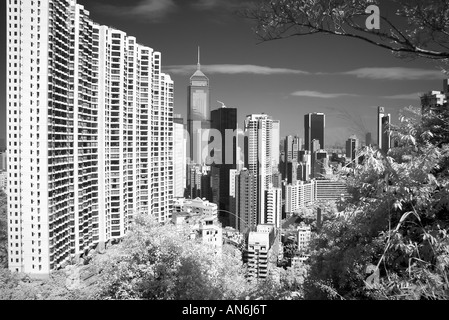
(330, 190)
(243, 202)
(383, 130)
(179, 157)
(195, 206)
(352, 146)
(90, 124)
(258, 153)
(314, 129)
(198, 114)
(224, 121)
(298, 195)
(3, 161)
(273, 199)
(304, 235)
(262, 251)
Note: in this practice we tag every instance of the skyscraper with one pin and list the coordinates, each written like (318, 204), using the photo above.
(275, 151)
(224, 120)
(368, 139)
(179, 157)
(273, 204)
(89, 162)
(314, 129)
(292, 146)
(258, 153)
(383, 130)
(198, 113)
(243, 203)
(352, 146)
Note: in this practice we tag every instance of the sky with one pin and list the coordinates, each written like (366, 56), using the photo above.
(344, 78)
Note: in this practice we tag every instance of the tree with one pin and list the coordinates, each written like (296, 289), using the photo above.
(159, 262)
(3, 231)
(417, 29)
(395, 223)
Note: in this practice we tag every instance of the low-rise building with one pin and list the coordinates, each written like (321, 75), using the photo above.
(201, 226)
(328, 190)
(262, 251)
(304, 235)
(195, 206)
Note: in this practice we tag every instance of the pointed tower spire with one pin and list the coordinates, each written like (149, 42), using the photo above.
(199, 64)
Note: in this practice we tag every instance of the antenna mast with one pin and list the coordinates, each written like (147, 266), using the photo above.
(199, 64)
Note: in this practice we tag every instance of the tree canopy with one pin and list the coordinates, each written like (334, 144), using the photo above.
(414, 28)
(391, 241)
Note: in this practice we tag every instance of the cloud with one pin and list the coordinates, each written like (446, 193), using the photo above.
(396, 74)
(316, 94)
(220, 4)
(231, 69)
(149, 10)
(410, 96)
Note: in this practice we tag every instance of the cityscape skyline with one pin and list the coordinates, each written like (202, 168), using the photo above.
(270, 77)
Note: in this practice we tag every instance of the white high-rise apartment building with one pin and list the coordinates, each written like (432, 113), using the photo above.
(273, 206)
(275, 150)
(258, 157)
(90, 134)
(179, 157)
(298, 195)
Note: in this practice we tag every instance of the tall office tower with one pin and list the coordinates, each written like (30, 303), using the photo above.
(383, 130)
(314, 129)
(245, 200)
(275, 151)
(314, 147)
(83, 137)
(273, 203)
(258, 146)
(224, 120)
(179, 157)
(292, 146)
(368, 139)
(304, 171)
(199, 182)
(198, 113)
(352, 146)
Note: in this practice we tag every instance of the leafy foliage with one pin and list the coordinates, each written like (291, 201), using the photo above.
(395, 223)
(418, 28)
(3, 231)
(19, 287)
(157, 262)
